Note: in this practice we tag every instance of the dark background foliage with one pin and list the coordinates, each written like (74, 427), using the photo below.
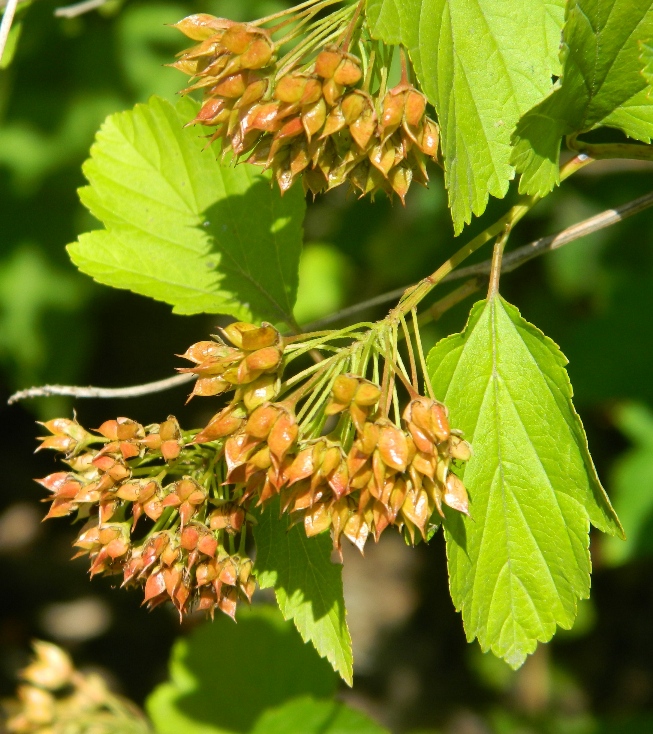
(415, 670)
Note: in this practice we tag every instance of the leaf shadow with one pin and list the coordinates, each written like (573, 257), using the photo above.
(257, 239)
(302, 566)
(454, 523)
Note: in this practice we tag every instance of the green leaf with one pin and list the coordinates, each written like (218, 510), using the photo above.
(520, 564)
(180, 227)
(632, 484)
(308, 716)
(308, 586)
(223, 676)
(482, 64)
(601, 84)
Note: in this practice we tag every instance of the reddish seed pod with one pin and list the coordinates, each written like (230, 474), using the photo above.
(327, 62)
(313, 117)
(264, 360)
(237, 38)
(332, 91)
(344, 388)
(414, 108)
(393, 110)
(258, 54)
(201, 26)
(283, 435)
(260, 422)
(317, 520)
(393, 447)
(348, 71)
(232, 86)
(429, 138)
(440, 421)
(204, 351)
(255, 90)
(455, 494)
(352, 107)
(367, 394)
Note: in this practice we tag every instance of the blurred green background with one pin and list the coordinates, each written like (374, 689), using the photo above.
(415, 672)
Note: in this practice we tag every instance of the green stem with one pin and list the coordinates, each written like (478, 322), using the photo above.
(411, 353)
(352, 26)
(420, 351)
(305, 6)
(323, 32)
(497, 258)
(417, 293)
(317, 394)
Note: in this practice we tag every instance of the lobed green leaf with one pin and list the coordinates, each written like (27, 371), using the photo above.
(520, 564)
(601, 84)
(183, 228)
(482, 64)
(308, 586)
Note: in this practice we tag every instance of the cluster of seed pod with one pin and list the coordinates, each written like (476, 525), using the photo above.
(182, 555)
(389, 475)
(317, 119)
(55, 698)
(197, 489)
(251, 366)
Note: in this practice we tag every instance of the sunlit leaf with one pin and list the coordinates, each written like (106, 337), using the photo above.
(520, 564)
(482, 64)
(182, 228)
(601, 84)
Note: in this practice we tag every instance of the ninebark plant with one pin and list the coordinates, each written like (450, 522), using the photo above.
(478, 437)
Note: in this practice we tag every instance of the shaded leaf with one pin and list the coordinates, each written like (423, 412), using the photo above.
(632, 486)
(482, 65)
(308, 586)
(180, 227)
(520, 564)
(224, 675)
(308, 716)
(601, 84)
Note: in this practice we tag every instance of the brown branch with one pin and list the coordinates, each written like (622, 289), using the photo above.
(521, 255)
